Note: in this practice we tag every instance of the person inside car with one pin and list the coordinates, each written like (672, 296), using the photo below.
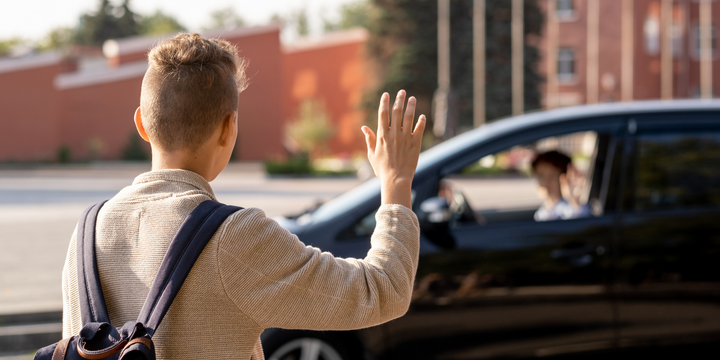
(559, 185)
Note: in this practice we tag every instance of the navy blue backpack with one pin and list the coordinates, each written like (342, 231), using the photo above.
(133, 341)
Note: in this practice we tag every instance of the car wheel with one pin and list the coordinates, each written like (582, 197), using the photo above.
(306, 345)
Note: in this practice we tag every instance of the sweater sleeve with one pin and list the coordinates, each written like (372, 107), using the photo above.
(277, 281)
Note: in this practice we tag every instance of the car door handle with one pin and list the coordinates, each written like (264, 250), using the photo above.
(579, 251)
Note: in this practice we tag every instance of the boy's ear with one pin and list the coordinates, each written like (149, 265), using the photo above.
(228, 127)
(139, 125)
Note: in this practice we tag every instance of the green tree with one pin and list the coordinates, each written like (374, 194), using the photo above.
(356, 14)
(296, 20)
(107, 22)
(159, 23)
(58, 38)
(7, 45)
(225, 18)
(403, 47)
(302, 26)
(311, 129)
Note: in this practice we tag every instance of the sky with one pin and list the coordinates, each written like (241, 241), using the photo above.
(32, 19)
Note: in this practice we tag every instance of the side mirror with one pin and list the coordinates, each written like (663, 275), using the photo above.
(434, 217)
(435, 210)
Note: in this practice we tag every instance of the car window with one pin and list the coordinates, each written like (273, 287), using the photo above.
(504, 186)
(677, 170)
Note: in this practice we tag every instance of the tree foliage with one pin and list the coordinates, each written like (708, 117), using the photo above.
(159, 23)
(6, 46)
(403, 47)
(107, 22)
(356, 14)
(225, 18)
(302, 26)
(311, 129)
(58, 38)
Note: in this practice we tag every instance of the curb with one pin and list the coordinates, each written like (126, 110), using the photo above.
(26, 333)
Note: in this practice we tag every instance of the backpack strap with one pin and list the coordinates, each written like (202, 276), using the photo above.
(92, 301)
(197, 230)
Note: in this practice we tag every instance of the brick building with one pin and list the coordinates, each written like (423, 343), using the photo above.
(85, 100)
(592, 38)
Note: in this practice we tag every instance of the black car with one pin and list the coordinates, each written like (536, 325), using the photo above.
(641, 275)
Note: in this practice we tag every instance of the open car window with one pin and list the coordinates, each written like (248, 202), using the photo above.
(502, 186)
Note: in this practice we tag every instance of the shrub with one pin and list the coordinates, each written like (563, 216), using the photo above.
(298, 164)
(134, 149)
(64, 154)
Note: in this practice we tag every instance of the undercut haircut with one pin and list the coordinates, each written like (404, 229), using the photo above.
(555, 158)
(190, 85)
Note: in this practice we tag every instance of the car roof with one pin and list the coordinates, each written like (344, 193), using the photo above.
(514, 123)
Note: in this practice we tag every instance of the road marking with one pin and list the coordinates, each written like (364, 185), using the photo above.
(30, 329)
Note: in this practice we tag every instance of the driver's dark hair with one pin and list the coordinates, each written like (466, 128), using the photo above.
(554, 158)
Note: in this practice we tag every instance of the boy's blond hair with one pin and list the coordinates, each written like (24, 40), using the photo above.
(190, 85)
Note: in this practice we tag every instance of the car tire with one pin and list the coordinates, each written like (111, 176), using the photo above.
(279, 344)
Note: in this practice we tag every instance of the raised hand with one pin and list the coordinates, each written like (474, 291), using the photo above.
(571, 185)
(394, 151)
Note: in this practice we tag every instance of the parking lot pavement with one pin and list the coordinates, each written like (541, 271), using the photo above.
(39, 208)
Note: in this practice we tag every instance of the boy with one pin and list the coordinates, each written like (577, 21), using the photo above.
(253, 274)
(559, 183)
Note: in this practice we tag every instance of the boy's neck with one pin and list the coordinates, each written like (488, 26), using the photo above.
(196, 161)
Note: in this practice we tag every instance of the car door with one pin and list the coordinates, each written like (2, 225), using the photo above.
(506, 285)
(668, 266)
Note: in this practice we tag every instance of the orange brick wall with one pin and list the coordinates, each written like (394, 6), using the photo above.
(336, 75)
(28, 114)
(96, 120)
(99, 118)
(261, 108)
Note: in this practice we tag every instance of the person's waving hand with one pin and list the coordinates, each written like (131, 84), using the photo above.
(394, 151)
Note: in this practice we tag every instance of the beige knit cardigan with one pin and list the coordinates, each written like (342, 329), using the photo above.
(252, 275)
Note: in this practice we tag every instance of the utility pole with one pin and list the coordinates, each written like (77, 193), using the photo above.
(440, 100)
(593, 51)
(666, 51)
(552, 97)
(706, 49)
(518, 42)
(478, 63)
(627, 54)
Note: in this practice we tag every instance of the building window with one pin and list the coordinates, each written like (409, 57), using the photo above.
(566, 66)
(565, 10)
(678, 30)
(651, 29)
(695, 49)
